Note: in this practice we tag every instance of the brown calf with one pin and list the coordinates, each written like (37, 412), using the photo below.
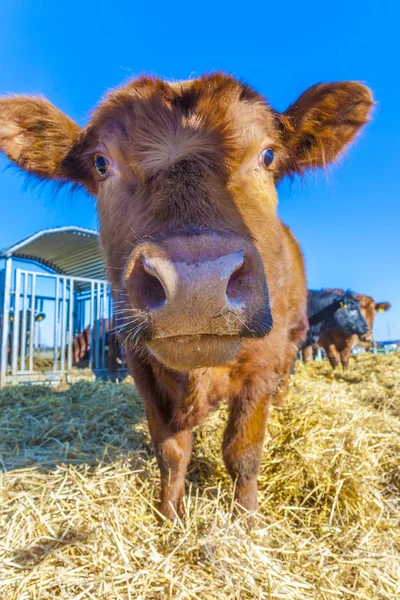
(202, 267)
(337, 345)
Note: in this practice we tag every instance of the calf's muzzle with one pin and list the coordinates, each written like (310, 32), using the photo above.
(201, 294)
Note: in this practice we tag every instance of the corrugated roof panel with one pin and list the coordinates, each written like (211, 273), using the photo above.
(72, 251)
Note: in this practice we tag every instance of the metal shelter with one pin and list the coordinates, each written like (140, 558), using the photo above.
(55, 307)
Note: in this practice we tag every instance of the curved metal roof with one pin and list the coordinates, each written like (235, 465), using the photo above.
(70, 250)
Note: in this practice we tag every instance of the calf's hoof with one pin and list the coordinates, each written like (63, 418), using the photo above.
(246, 508)
(248, 518)
(169, 510)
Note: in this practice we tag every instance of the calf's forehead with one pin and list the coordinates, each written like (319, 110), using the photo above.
(366, 302)
(367, 305)
(215, 105)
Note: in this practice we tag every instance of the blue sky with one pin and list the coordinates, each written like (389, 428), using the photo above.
(346, 220)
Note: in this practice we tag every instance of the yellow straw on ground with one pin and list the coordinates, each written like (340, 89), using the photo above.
(79, 479)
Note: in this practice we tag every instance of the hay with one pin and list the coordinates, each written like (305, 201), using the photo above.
(79, 481)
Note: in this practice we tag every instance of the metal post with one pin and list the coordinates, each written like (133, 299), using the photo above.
(32, 323)
(70, 324)
(77, 323)
(98, 315)
(41, 309)
(56, 307)
(6, 322)
(63, 323)
(82, 314)
(24, 320)
(105, 320)
(91, 324)
(15, 335)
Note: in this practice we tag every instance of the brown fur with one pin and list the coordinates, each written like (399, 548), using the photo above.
(186, 156)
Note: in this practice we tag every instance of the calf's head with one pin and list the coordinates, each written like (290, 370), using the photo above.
(369, 309)
(185, 177)
(348, 318)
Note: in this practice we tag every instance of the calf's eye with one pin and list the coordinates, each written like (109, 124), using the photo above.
(101, 164)
(266, 157)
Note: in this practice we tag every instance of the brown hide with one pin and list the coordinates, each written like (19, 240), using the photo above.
(187, 157)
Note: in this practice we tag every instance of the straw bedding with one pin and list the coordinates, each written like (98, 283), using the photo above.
(79, 479)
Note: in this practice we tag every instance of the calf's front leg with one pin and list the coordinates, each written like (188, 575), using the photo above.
(243, 443)
(333, 355)
(172, 449)
(172, 444)
(307, 354)
(345, 354)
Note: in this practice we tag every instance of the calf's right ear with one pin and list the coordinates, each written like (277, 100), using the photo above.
(322, 122)
(38, 137)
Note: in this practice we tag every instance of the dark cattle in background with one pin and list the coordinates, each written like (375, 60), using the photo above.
(331, 311)
(338, 345)
(82, 345)
(210, 281)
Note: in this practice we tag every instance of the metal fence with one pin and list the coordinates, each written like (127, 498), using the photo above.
(42, 317)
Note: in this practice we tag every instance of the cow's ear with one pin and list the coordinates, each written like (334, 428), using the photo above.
(320, 124)
(382, 307)
(38, 137)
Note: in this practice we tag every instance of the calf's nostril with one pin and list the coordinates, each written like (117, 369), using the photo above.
(236, 288)
(149, 291)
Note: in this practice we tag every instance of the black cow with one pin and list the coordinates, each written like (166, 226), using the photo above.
(330, 310)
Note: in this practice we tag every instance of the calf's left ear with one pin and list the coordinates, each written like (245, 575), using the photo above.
(320, 124)
(382, 307)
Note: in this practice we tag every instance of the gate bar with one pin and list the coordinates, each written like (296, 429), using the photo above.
(6, 322)
(70, 322)
(15, 334)
(32, 324)
(104, 336)
(97, 340)
(56, 315)
(91, 324)
(63, 323)
(24, 319)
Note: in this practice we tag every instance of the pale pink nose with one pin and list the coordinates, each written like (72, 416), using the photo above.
(211, 283)
(207, 285)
